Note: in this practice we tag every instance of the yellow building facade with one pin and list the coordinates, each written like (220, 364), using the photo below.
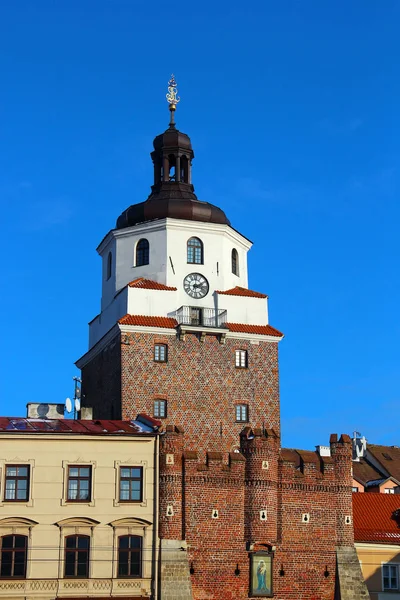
(78, 501)
(377, 541)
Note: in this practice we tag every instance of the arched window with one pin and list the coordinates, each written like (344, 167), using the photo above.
(235, 262)
(129, 556)
(13, 556)
(109, 265)
(195, 251)
(142, 253)
(77, 556)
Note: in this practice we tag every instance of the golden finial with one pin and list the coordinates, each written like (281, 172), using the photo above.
(172, 97)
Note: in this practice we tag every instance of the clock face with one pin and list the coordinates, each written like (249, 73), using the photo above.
(196, 285)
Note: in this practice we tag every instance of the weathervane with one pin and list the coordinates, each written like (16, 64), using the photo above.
(172, 98)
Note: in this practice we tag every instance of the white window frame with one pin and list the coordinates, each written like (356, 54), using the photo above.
(390, 566)
(241, 410)
(241, 359)
(162, 402)
(160, 352)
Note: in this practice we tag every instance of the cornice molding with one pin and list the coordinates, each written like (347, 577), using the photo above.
(174, 224)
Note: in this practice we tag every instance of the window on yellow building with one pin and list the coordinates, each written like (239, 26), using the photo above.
(129, 556)
(13, 556)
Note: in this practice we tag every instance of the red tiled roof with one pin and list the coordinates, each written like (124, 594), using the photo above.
(144, 321)
(374, 518)
(147, 284)
(92, 427)
(241, 291)
(257, 329)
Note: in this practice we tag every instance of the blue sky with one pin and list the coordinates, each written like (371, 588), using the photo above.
(292, 108)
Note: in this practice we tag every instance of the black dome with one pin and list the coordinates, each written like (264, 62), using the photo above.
(172, 194)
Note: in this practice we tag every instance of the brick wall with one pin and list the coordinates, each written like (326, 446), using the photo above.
(291, 484)
(199, 472)
(202, 386)
(101, 382)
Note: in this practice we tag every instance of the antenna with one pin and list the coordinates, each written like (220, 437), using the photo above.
(68, 405)
(77, 396)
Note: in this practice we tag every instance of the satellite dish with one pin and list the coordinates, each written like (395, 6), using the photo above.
(68, 405)
(77, 404)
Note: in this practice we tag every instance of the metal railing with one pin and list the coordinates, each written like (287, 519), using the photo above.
(201, 317)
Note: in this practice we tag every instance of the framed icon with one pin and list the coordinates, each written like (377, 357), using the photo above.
(261, 574)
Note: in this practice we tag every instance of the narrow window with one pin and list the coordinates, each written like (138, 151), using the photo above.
(235, 262)
(242, 413)
(17, 483)
(161, 353)
(109, 265)
(184, 169)
(129, 556)
(79, 484)
(195, 251)
(390, 577)
(13, 556)
(77, 556)
(131, 484)
(354, 489)
(241, 359)
(142, 253)
(160, 408)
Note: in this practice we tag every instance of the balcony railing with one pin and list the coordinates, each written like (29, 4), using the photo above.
(201, 317)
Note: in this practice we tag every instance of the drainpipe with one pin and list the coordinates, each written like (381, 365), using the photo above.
(154, 565)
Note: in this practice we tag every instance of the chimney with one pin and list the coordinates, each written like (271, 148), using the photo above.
(86, 413)
(42, 410)
(323, 450)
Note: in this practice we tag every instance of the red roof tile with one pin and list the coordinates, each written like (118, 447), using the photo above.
(83, 426)
(374, 518)
(257, 329)
(241, 291)
(144, 321)
(147, 284)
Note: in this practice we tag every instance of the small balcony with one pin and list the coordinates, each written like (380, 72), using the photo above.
(202, 320)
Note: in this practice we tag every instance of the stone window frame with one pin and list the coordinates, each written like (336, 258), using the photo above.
(131, 462)
(75, 526)
(78, 463)
(19, 526)
(20, 462)
(138, 527)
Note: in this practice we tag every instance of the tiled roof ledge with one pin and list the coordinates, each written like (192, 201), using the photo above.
(190, 455)
(214, 457)
(174, 429)
(236, 457)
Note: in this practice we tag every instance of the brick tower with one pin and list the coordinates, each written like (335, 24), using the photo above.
(182, 338)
